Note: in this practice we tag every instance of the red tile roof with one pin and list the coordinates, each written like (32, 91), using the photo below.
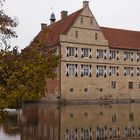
(118, 38)
(122, 39)
(50, 35)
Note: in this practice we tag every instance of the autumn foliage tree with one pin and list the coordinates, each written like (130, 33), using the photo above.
(23, 74)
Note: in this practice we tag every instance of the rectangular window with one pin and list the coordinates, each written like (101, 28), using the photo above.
(130, 85)
(96, 36)
(113, 70)
(76, 34)
(71, 90)
(81, 20)
(85, 89)
(86, 70)
(113, 84)
(72, 51)
(87, 53)
(113, 55)
(101, 70)
(100, 53)
(128, 56)
(71, 70)
(128, 71)
(91, 21)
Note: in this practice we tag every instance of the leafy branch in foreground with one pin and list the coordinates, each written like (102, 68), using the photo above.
(7, 28)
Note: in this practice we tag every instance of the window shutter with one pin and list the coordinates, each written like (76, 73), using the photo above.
(90, 71)
(105, 72)
(117, 55)
(117, 71)
(90, 133)
(76, 70)
(82, 53)
(124, 57)
(138, 71)
(97, 71)
(132, 73)
(82, 134)
(67, 51)
(97, 54)
(90, 53)
(124, 72)
(132, 56)
(137, 57)
(110, 71)
(76, 52)
(105, 54)
(67, 70)
(110, 55)
(76, 134)
(67, 134)
(81, 70)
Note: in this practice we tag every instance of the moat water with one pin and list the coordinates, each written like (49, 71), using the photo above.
(73, 122)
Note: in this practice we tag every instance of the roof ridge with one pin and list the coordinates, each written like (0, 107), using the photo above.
(78, 11)
(112, 28)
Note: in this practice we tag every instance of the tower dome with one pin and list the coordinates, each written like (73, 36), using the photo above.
(52, 18)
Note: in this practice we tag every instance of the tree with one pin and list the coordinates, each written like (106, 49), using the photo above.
(7, 28)
(23, 75)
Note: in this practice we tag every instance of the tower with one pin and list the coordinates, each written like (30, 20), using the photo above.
(52, 18)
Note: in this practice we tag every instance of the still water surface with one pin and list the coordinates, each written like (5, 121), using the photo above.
(73, 122)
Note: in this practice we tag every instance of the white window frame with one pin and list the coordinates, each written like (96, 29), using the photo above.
(128, 56)
(128, 71)
(113, 55)
(86, 70)
(101, 70)
(85, 52)
(101, 53)
(113, 70)
(71, 69)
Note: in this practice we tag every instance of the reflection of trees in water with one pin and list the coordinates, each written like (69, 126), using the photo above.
(9, 123)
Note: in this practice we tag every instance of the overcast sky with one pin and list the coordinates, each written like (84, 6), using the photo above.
(31, 13)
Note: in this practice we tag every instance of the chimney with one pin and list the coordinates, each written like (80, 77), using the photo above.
(64, 14)
(85, 4)
(43, 26)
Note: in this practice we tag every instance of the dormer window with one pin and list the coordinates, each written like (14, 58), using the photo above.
(76, 34)
(81, 20)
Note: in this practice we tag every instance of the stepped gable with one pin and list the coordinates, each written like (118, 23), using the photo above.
(122, 39)
(117, 38)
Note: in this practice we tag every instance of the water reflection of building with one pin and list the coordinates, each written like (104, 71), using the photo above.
(40, 123)
(81, 122)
